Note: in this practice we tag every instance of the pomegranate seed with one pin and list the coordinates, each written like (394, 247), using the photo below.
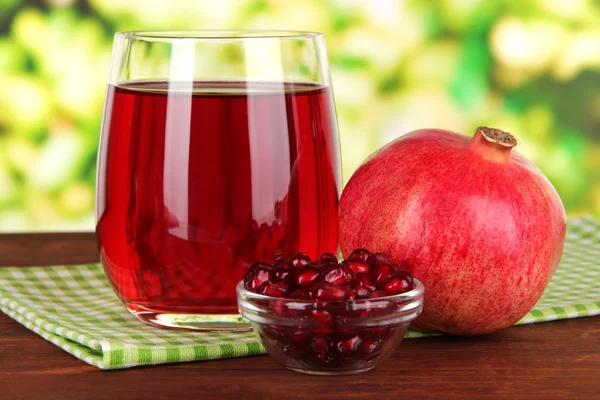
(322, 317)
(299, 336)
(397, 285)
(357, 265)
(354, 282)
(360, 292)
(273, 331)
(329, 256)
(382, 273)
(279, 307)
(273, 289)
(361, 254)
(326, 291)
(377, 259)
(283, 263)
(377, 294)
(307, 275)
(256, 276)
(282, 275)
(320, 346)
(345, 312)
(408, 276)
(300, 260)
(299, 294)
(262, 264)
(338, 275)
(347, 347)
(366, 282)
(296, 350)
(326, 263)
(370, 347)
(298, 310)
(376, 333)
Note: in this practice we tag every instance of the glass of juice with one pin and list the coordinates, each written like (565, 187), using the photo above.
(218, 149)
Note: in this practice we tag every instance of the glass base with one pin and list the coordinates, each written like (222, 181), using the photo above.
(190, 321)
(331, 372)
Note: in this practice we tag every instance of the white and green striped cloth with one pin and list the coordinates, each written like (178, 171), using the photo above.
(75, 308)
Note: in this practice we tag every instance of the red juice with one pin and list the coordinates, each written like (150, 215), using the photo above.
(196, 181)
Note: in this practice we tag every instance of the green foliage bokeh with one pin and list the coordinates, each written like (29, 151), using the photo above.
(530, 67)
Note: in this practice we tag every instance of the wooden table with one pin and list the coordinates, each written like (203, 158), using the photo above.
(551, 360)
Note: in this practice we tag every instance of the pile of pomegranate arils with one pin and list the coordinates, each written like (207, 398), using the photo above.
(328, 342)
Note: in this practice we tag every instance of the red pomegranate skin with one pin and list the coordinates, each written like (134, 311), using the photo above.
(479, 225)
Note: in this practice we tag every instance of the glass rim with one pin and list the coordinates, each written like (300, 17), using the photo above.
(217, 34)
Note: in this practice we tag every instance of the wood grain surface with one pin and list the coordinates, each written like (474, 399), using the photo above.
(557, 360)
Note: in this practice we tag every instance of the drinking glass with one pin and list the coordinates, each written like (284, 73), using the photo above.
(218, 149)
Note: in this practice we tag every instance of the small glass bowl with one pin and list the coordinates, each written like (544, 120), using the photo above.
(334, 337)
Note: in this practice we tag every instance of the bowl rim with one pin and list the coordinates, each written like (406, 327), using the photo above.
(412, 295)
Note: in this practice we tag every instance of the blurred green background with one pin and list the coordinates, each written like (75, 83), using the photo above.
(530, 67)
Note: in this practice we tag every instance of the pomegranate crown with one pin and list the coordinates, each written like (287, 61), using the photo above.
(499, 136)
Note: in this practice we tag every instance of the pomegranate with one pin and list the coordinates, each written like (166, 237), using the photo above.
(478, 224)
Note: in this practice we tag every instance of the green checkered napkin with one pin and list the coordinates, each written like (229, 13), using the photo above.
(75, 308)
